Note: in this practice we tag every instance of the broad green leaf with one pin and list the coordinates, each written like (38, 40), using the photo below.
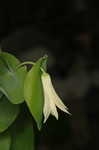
(12, 79)
(22, 135)
(33, 92)
(8, 113)
(9, 60)
(5, 141)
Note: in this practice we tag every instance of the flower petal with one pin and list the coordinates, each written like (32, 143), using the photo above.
(46, 109)
(48, 97)
(54, 111)
(52, 105)
(58, 102)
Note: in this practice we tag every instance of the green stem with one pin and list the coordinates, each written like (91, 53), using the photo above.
(25, 63)
(30, 63)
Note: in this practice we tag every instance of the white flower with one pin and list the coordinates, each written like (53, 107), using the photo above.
(51, 99)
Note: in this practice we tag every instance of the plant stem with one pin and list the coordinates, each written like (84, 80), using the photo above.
(25, 63)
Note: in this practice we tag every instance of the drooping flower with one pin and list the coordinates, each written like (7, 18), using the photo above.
(51, 99)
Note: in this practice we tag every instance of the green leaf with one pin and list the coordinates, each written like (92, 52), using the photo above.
(8, 113)
(22, 135)
(9, 60)
(12, 79)
(33, 92)
(5, 141)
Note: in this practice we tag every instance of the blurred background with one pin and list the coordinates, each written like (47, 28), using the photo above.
(68, 32)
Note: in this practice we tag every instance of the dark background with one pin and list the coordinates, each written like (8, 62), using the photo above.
(68, 31)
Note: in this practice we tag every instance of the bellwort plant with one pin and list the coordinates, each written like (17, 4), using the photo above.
(27, 96)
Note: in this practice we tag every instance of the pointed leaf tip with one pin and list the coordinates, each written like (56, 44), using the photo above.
(44, 62)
